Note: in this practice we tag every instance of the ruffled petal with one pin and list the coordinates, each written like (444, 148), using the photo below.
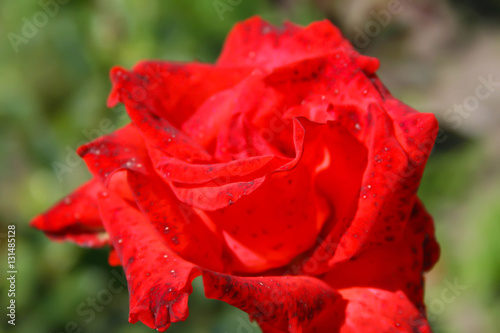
(124, 149)
(390, 182)
(232, 184)
(398, 139)
(371, 310)
(75, 218)
(284, 303)
(159, 281)
(296, 200)
(393, 265)
(255, 42)
(175, 170)
(108, 157)
(179, 225)
(171, 91)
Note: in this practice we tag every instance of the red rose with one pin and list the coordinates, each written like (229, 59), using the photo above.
(285, 174)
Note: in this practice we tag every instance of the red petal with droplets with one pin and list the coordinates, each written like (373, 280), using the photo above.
(122, 150)
(325, 152)
(159, 281)
(255, 42)
(178, 224)
(395, 264)
(171, 90)
(371, 310)
(285, 303)
(75, 218)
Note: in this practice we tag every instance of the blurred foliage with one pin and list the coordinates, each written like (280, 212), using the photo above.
(52, 99)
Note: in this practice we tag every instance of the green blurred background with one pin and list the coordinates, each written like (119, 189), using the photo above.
(53, 87)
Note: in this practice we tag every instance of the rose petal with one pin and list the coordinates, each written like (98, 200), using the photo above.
(122, 150)
(255, 42)
(371, 310)
(172, 169)
(394, 265)
(284, 303)
(159, 281)
(172, 91)
(75, 218)
(161, 135)
(215, 114)
(389, 183)
(229, 187)
(294, 195)
(214, 195)
(178, 224)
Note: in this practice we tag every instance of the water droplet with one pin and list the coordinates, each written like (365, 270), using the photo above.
(67, 201)
(120, 241)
